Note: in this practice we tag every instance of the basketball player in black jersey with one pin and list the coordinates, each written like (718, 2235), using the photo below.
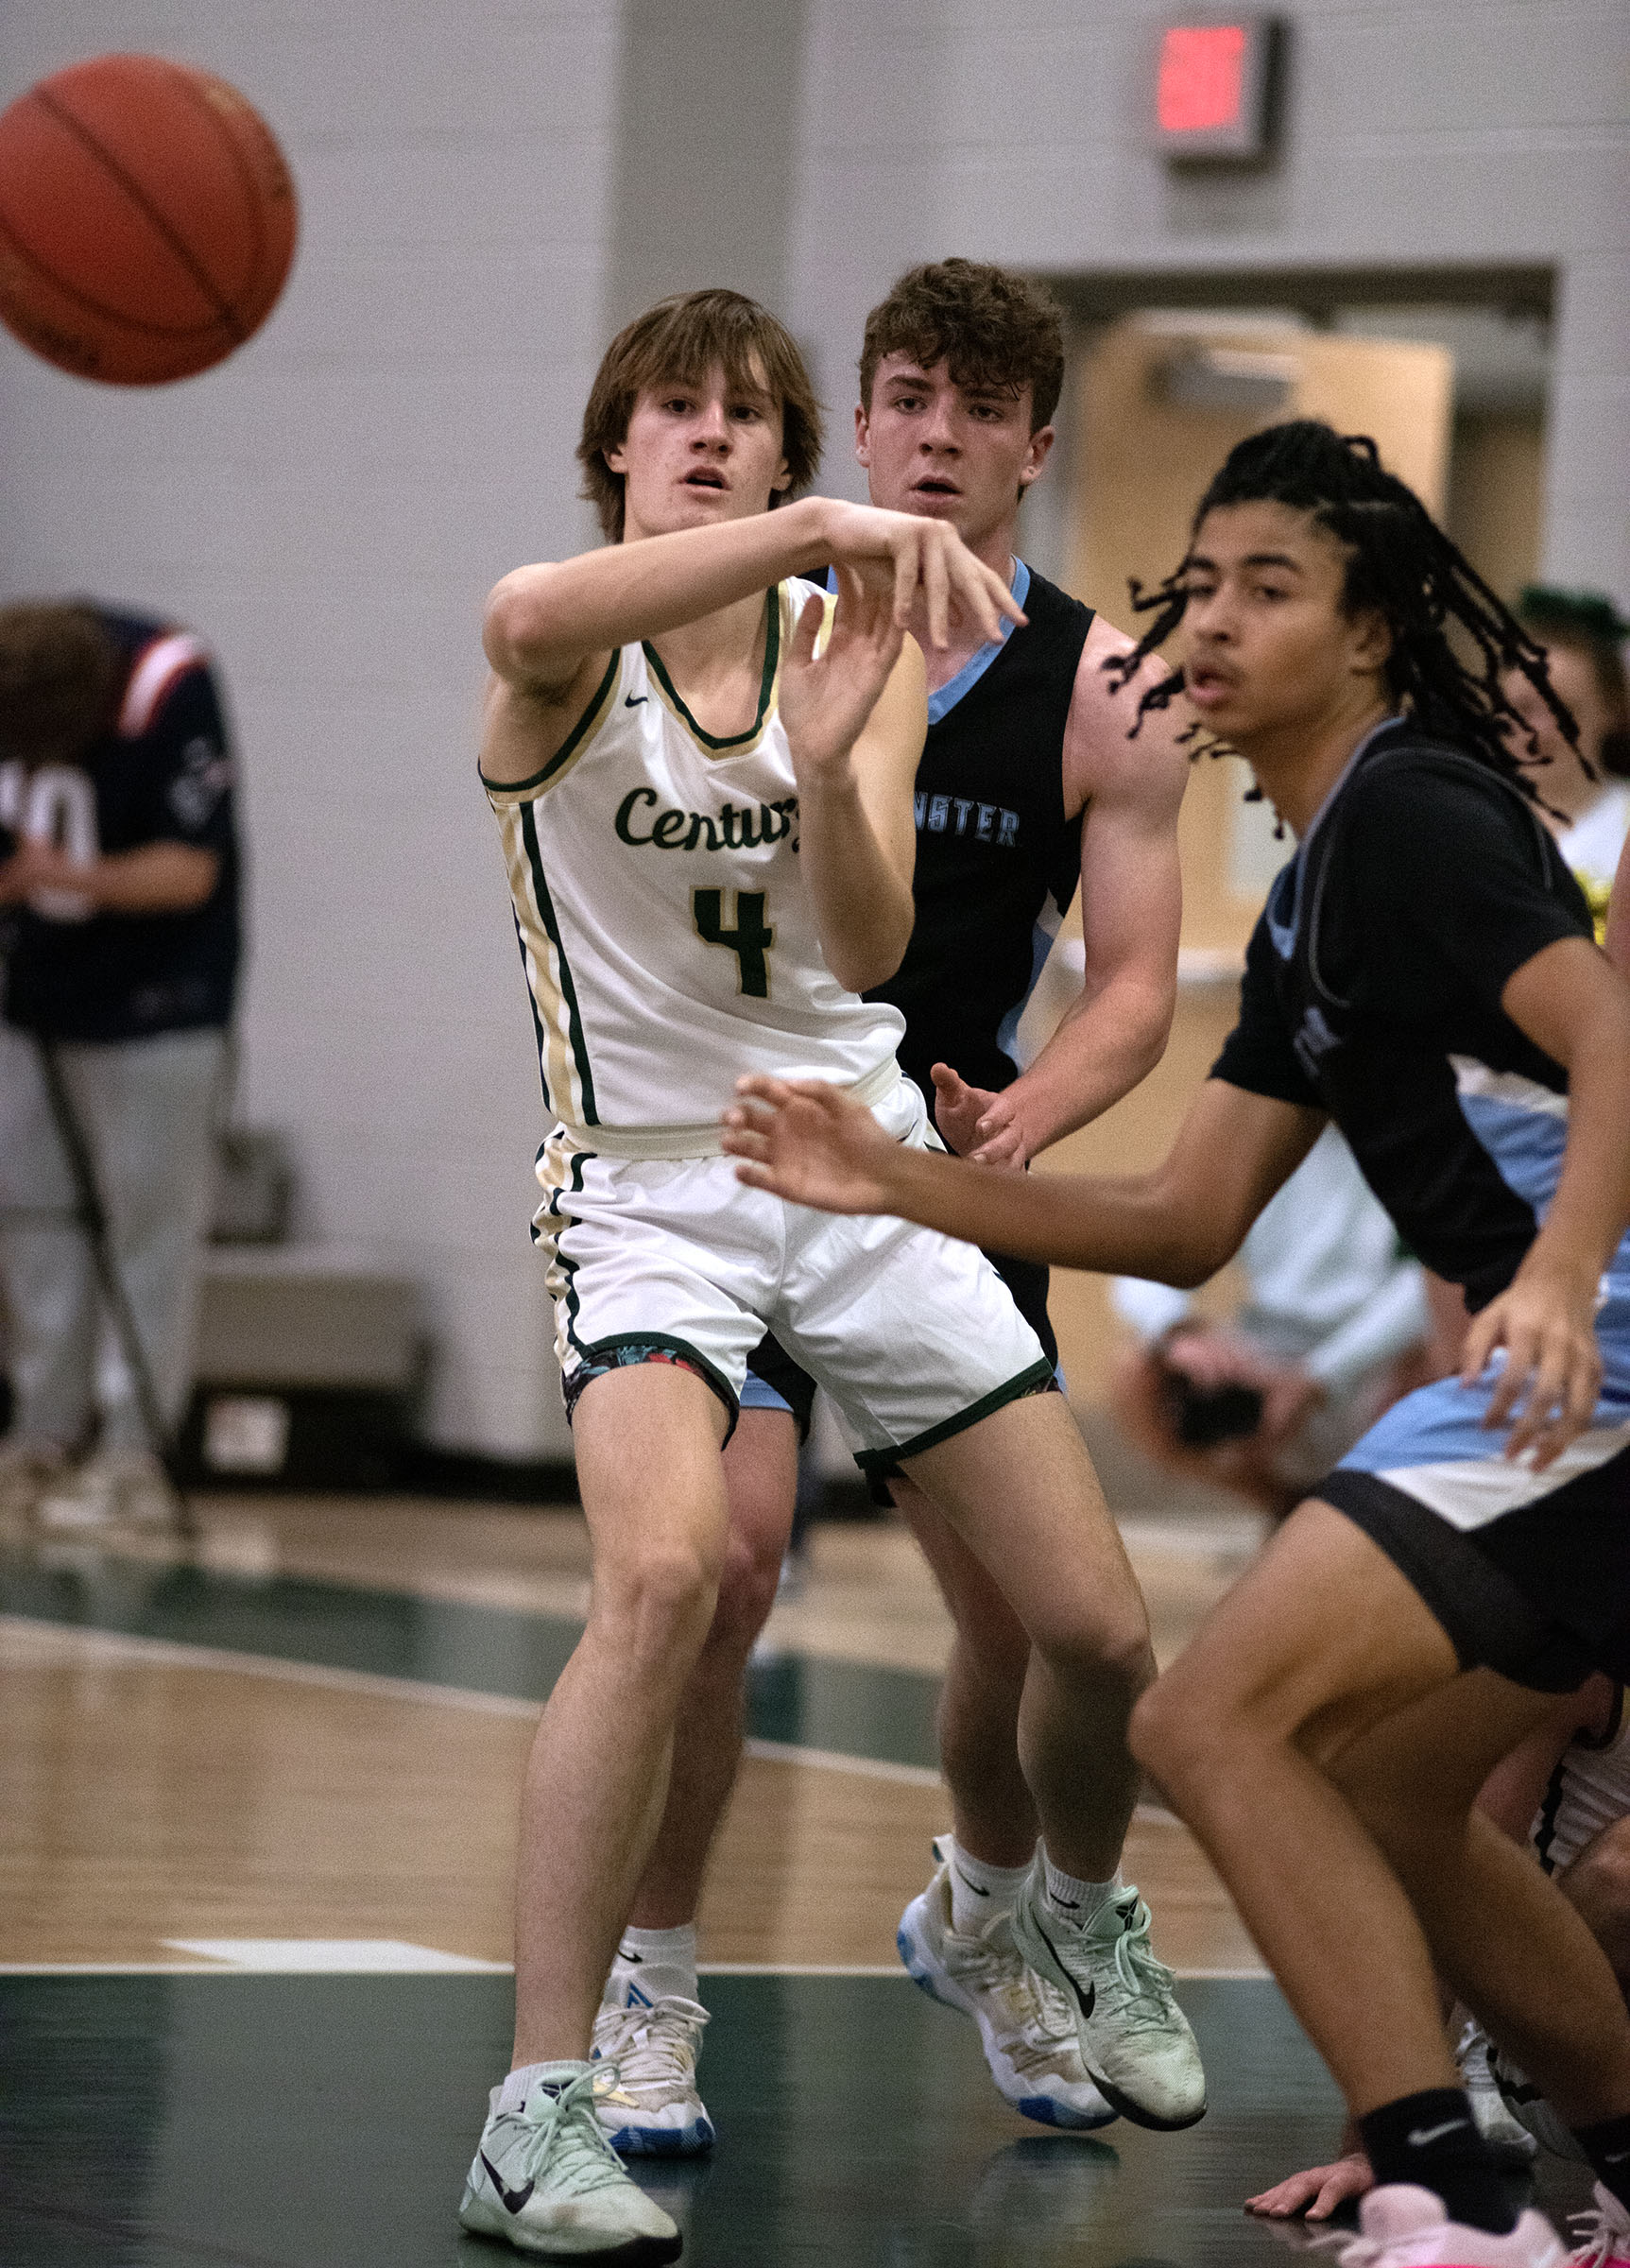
(1028, 784)
(1425, 975)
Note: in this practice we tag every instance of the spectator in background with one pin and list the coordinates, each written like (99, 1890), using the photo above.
(119, 918)
(1583, 638)
(1335, 1325)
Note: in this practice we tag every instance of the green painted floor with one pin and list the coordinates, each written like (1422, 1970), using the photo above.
(202, 2122)
(854, 1709)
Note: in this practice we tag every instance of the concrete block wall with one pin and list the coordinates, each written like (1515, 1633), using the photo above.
(486, 189)
(329, 509)
(1419, 133)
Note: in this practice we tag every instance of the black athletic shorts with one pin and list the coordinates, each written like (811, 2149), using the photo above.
(791, 1386)
(1540, 1591)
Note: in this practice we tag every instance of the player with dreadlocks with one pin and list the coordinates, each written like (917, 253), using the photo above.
(1425, 975)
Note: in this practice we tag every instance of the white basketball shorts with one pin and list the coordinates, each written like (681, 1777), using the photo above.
(913, 1334)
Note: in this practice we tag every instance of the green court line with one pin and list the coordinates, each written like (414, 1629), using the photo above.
(798, 1701)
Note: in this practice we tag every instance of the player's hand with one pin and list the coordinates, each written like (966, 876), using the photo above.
(1320, 2190)
(926, 560)
(977, 1122)
(825, 702)
(1544, 1321)
(807, 1141)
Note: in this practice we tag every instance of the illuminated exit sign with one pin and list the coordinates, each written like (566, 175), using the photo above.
(1215, 86)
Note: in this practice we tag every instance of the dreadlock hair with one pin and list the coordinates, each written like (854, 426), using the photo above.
(1400, 562)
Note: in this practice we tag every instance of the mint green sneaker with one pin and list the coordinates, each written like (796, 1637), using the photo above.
(1135, 2039)
(546, 2180)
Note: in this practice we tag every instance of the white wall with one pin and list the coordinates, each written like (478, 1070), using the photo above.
(1420, 133)
(329, 509)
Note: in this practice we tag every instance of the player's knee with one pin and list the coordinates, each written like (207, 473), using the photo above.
(1172, 1738)
(661, 1603)
(1102, 1646)
(748, 1585)
(1598, 1884)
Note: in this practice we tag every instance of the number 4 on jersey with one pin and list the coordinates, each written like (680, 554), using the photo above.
(751, 939)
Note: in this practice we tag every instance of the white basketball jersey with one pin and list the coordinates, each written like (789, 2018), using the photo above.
(669, 940)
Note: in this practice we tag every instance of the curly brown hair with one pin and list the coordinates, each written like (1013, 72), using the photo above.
(681, 340)
(58, 672)
(988, 325)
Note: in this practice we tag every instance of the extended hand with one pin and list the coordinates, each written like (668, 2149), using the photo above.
(1544, 1320)
(825, 703)
(977, 1122)
(925, 559)
(805, 1141)
(1321, 2188)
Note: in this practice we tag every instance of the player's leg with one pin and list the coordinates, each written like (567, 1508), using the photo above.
(153, 1105)
(50, 1285)
(1020, 1490)
(648, 1440)
(1505, 1937)
(993, 1813)
(651, 2018)
(955, 1937)
(1597, 1884)
(1319, 1643)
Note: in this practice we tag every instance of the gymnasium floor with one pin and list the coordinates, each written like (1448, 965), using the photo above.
(259, 1799)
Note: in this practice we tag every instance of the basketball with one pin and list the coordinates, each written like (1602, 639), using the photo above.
(147, 219)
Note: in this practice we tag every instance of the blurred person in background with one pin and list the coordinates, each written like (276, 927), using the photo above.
(1583, 638)
(120, 933)
(1335, 1325)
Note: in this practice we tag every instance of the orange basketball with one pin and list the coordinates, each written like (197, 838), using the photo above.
(147, 219)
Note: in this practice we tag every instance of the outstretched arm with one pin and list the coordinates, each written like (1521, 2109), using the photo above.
(1179, 1224)
(551, 628)
(1115, 1030)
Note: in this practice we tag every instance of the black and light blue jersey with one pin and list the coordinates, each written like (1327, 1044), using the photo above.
(1373, 988)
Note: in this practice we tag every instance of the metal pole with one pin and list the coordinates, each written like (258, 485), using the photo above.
(92, 1217)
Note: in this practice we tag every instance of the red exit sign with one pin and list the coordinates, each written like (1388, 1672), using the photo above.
(1214, 86)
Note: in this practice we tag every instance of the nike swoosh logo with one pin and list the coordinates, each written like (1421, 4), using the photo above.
(968, 1885)
(513, 2199)
(633, 699)
(1420, 2135)
(1087, 2000)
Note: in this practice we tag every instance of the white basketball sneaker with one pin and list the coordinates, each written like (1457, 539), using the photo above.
(1025, 2022)
(1509, 2140)
(1606, 2234)
(1402, 2226)
(653, 2109)
(546, 2180)
(1134, 2041)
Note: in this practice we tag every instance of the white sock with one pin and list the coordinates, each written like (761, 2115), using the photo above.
(1076, 1902)
(979, 1890)
(514, 2093)
(653, 1965)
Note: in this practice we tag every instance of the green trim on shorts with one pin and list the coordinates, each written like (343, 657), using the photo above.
(1035, 1379)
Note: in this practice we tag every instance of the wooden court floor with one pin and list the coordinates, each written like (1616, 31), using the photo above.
(259, 1799)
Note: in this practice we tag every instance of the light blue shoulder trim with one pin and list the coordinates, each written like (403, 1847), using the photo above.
(944, 701)
(941, 703)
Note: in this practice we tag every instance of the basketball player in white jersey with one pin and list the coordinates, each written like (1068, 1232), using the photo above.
(704, 777)
(1027, 788)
